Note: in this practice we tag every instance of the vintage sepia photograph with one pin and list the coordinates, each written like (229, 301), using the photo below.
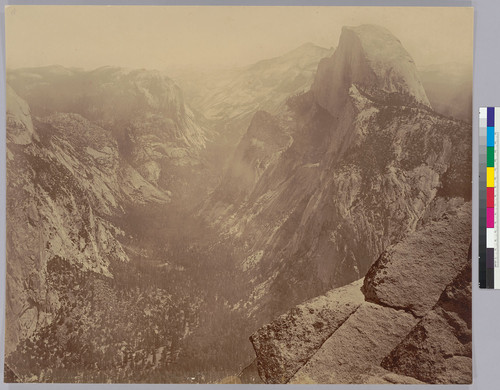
(238, 194)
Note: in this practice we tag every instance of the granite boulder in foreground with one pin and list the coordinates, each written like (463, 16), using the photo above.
(421, 265)
(418, 330)
(284, 345)
(439, 348)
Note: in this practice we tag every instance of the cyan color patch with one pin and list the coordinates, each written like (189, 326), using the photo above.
(490, 141)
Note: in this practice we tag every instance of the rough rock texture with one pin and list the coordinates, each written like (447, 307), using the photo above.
(349, 184)
(65, 183)
(362, 341)
(377, 375)
(382, 344)
(408, 269)
(439, 348)
(8, 375)
(367, 375)
(284, 345)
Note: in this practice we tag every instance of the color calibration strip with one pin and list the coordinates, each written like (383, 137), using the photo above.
(489, 268)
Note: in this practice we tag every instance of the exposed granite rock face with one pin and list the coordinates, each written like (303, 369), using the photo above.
(421, 265)
(362, 341)
(284, 345)
(352, 182)
(439, 348)
(368, 375)
(377, 375)
(418, 332)
(65, 183)
(323, 204)
(373, 59)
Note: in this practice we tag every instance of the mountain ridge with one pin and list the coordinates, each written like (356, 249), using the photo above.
(138, 217)
(64, 192)
(345, 188)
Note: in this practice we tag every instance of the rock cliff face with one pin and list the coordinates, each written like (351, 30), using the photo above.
(373, 59)
(426, 339)
(371, 173)
(392, 280)
(439, 348)
(66, 181)
(284, 345)
(367, 162)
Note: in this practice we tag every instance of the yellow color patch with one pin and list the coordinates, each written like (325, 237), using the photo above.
(490, 177)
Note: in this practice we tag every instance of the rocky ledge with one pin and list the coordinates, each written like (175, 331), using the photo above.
(408, 321)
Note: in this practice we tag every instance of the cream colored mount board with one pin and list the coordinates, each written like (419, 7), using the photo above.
(213, 194)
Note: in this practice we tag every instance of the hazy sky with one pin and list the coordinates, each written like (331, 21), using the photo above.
(159, 37)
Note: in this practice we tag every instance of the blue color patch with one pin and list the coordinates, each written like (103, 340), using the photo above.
(491, 116)
(490, 140)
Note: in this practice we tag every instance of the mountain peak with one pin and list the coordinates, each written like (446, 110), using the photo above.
(374, 59)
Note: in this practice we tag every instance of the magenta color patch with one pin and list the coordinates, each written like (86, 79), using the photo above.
(490, 217)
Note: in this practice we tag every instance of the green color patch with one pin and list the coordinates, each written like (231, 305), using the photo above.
(491, 156)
